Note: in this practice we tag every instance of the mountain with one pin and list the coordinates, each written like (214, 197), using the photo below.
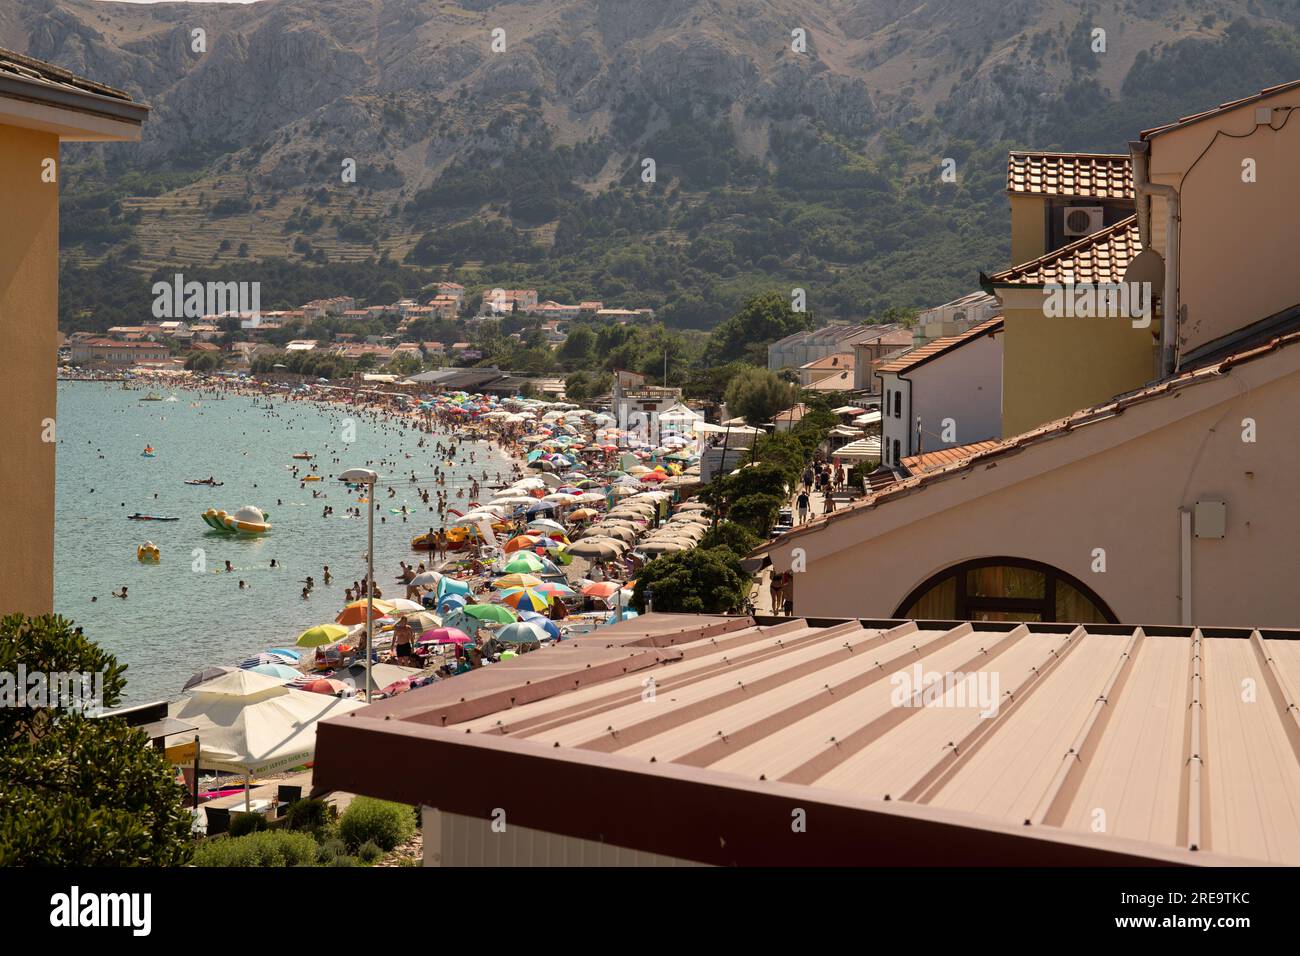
(817, 169)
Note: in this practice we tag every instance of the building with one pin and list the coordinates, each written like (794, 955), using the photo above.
(117, 352)
(800, 348)
(945, 393)
(41, 106)
(633, 403)
(826, 366)
(955, 317)
(743, 742)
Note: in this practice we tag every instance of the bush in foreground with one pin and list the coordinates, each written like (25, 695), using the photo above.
(265, 848)
(384, 823)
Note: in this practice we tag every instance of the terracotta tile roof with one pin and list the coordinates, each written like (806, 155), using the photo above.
(752, 719)
(915, 464)
(1090, 175)
(1221, 108)
(1101, 257)
(1045, 432)
(932, 350)
(17, 65)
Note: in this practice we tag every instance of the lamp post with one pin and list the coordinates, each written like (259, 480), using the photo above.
(364, 476)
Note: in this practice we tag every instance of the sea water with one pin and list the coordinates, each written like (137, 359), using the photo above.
(187, 611)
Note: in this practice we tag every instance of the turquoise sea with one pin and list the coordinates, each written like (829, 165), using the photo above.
(187, 611)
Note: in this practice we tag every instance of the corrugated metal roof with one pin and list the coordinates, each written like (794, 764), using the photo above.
(1083, 175)
(931, 350)
(1135, 734)
(1100, 257)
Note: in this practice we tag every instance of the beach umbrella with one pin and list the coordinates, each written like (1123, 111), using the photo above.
(601, 589)
(542, 621)
(275, 670)
(355, 613)
(424, 620)
(517, 581)
(523, 562)
(403, 606)
(287, 653)
(266, 657)
(521, 632)
(426, 579)
(522, 542)
(443, 635)
(525, 599)
(556, 589)
(207, 674)
(583, 514)
(546, 526)
(489, 613)
(324, 685)
(541, 507)
(599, 548)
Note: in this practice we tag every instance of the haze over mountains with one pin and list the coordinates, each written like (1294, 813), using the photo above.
(818, 168)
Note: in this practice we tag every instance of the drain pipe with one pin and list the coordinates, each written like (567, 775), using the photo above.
(1185, 565)
(1139, 153)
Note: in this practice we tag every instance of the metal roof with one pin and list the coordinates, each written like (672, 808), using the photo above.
(1113, 739)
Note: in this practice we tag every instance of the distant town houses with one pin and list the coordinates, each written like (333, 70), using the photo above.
(117, 351)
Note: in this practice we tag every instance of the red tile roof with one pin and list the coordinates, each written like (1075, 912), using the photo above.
(1090, 175)
(945, 456)
(1101, 257)
(932, 350)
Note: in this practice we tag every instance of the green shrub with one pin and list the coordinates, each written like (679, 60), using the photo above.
(328, 850)
(387, 824)
(345, 861)
(310, 815)
(261, 849)
(369, 852)
(242, 824)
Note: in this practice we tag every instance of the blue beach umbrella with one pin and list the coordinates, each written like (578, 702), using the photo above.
(450, 585)
(276, 670)
(286, 652)
(542, 621)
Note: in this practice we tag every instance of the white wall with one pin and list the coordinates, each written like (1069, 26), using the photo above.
(964, 385)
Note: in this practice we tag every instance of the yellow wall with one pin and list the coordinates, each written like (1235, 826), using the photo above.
(1028, 239)
(1054, 366)
(29, 290)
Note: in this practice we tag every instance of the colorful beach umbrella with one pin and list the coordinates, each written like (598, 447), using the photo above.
(517, 581)
(522, 542)
(325, 685)
(545, 623)
(525, 599)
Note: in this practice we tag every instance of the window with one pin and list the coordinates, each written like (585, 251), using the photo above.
(898, 404)
(897, 457)
(889, 398)
(1005, 589)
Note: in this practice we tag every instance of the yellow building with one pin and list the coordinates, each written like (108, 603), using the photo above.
(1072, 223)
(41, 106)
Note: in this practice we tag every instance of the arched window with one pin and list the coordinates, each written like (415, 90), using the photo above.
(1005, 589)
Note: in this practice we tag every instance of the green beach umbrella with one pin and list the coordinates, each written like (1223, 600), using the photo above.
(524, 562)
(321, 634)
(490, 612)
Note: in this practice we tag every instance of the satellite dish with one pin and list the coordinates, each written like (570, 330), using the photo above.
(1147, 266)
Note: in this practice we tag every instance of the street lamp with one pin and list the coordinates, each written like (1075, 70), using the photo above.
(364, 476)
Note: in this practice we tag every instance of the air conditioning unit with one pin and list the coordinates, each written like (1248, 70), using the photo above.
(1082, 220)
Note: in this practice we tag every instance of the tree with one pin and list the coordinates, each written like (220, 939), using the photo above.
(698, 581)
(580, 386)
(747, 334)
(757, 394)
(80, 791)
(735, 537)
(756, 513)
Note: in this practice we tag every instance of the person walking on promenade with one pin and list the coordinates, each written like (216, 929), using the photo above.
(801, 503)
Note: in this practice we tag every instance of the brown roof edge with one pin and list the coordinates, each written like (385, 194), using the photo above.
(687, 812)
(1002, 279)
(1268, 91)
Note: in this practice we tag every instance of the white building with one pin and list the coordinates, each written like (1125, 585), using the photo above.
(945, 393)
